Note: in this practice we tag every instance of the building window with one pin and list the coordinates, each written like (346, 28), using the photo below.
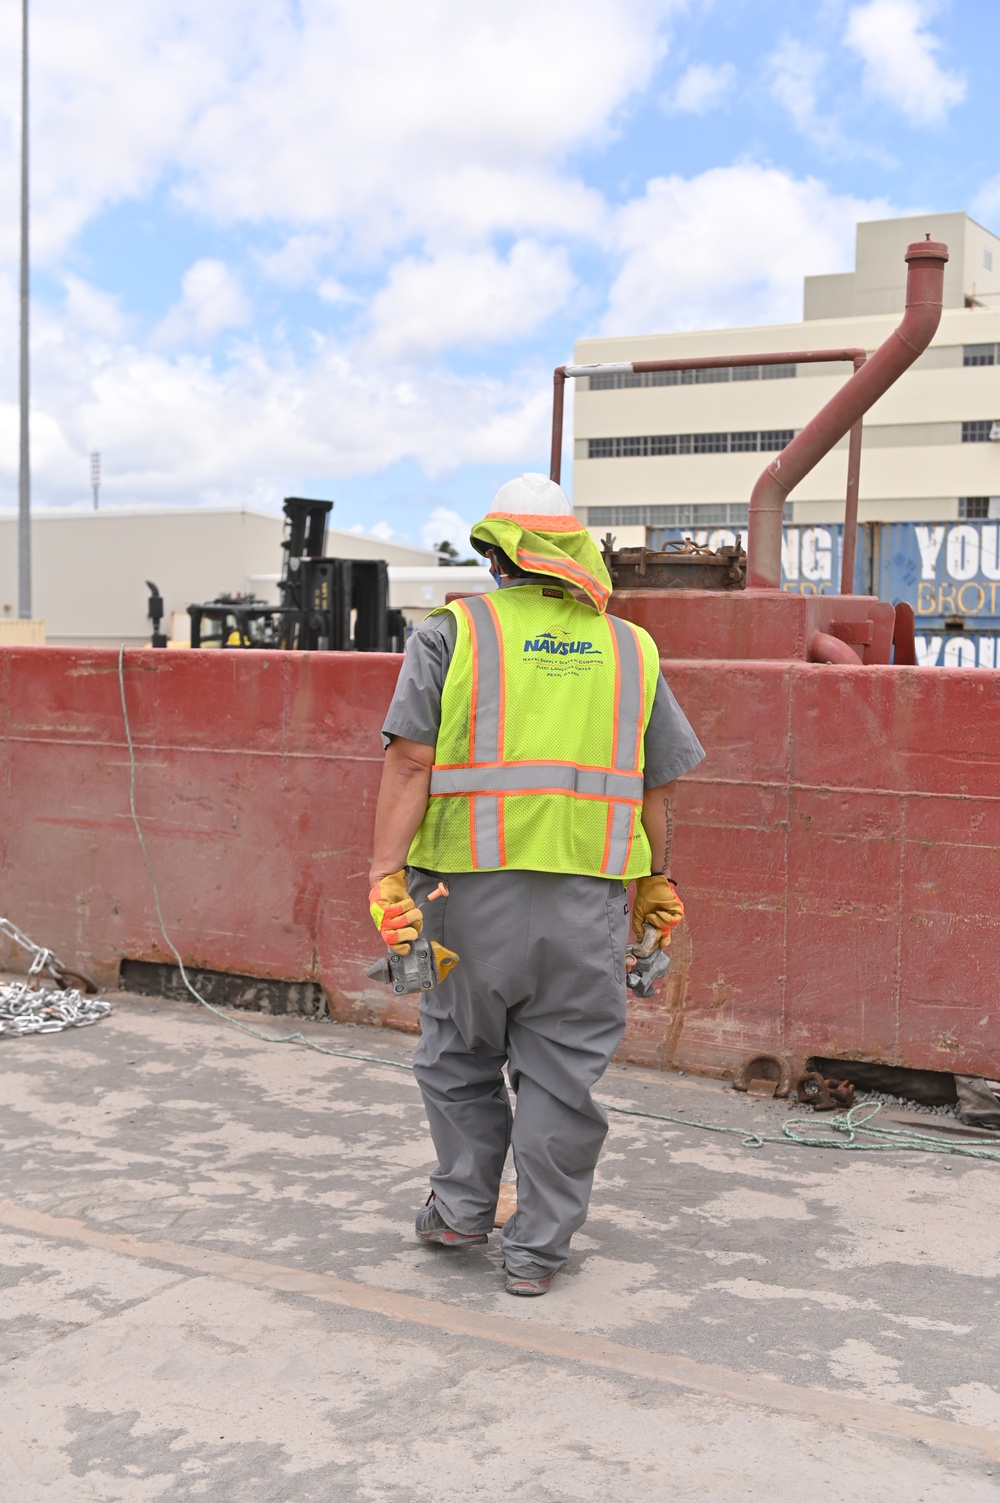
(726, 514)
(973, 506)
(626, 380)
(977, 432)
(987, 258)
(767, 442)
(979, 354)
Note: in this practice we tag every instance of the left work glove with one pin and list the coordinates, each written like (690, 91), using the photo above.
(397, 918)
(656, 903)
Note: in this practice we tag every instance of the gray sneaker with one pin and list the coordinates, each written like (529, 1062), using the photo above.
(432, 1227)
(528, 1288)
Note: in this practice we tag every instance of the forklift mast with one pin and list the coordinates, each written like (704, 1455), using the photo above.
(327, 604)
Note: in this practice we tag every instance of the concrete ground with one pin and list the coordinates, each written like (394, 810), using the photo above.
(211, 1289)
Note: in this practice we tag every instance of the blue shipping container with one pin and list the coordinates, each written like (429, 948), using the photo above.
(948, 571)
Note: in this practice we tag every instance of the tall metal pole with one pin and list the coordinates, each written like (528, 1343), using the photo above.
(24, 473)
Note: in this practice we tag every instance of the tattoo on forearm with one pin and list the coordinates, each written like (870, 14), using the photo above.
(668, 835)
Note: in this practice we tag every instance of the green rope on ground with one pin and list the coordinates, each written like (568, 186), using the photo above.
(843, 1131)
(848, 1124)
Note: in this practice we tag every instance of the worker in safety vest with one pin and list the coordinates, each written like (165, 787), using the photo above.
(532, 747)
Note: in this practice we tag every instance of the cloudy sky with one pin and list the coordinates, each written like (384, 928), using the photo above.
(335, 247)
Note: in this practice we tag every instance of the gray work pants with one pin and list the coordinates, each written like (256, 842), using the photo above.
(540, 987)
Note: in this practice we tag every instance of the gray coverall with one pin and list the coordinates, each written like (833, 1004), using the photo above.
(540, 987)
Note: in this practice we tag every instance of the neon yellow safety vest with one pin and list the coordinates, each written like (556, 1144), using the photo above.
(539, 757)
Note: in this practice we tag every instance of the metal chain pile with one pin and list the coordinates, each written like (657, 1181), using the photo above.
(26, 1007)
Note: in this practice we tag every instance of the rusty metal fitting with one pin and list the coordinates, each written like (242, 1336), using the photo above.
(761, 1069)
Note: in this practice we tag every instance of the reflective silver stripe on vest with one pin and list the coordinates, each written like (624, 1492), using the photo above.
(618, 846)
(631, 694)
(486, 816)
(537, 777)
(486, 747)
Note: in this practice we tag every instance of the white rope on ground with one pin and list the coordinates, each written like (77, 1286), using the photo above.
(844, 1128)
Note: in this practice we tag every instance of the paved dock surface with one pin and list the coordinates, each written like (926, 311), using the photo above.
(211, 1289)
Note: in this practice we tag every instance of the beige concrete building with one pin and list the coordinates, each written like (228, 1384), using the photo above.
(90, 568)
(684, 448)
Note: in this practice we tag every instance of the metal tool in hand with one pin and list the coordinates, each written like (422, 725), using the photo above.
(425, 964)
(645, 963)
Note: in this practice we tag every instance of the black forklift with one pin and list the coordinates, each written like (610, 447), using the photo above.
(327, 604)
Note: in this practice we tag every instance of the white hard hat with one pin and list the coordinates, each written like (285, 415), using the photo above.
(531, 496)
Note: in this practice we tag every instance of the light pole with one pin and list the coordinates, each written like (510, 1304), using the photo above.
(95, 476)
(24, 469)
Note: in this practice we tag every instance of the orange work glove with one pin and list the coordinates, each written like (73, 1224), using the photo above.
(656, 903)
(397, 917)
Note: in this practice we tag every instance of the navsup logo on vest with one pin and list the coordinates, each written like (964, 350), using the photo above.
(559, 644)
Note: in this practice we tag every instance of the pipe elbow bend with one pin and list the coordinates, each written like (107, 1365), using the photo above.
(823, 648)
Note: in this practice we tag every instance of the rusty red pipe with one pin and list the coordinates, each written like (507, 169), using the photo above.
(824, 648)
(851, 504)
(558, 402)
(685, 363)
(924, 287)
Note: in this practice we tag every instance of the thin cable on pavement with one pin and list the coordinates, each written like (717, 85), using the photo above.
(847, 1124)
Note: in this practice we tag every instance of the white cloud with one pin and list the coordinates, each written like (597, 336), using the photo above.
(900, 62)
(295, 263)
(92, 310)
(795, 71)
(691, 253)
(444, 525)
(366, 143)
(334, 292)
(701, 88)
(212, 299)
(177, 427)
(795, 74)
(986, 205)
(467, 298)
(112, 97)
(446, 87)
(342, 113)
(726, 247)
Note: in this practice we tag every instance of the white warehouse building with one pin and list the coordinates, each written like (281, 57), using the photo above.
(90, 569)
(684, 448)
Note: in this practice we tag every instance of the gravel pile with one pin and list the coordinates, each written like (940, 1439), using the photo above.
(899, 1103)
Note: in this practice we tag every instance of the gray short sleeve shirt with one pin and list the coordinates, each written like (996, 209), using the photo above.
(670, 745)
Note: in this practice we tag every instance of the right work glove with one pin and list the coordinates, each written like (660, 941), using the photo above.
(397, 918)
(657, 904)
